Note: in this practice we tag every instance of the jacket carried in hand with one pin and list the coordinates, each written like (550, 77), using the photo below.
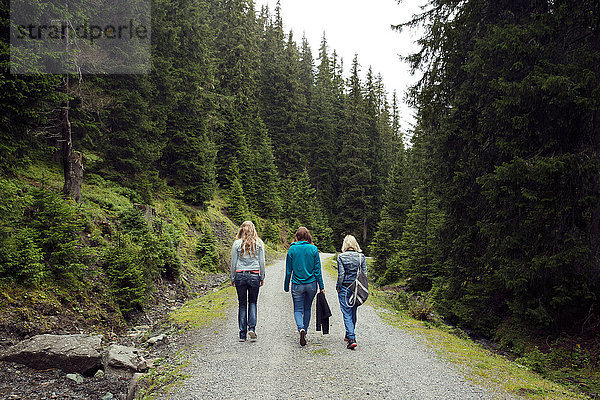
(323, 313)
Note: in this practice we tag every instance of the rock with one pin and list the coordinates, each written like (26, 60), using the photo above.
(150, 362)
(158, 340)
(75, 378)
(135, 385)
(121, 361)
(139, 331)
(99, 374)
(143, 365)
(108, 396)
(70, 353)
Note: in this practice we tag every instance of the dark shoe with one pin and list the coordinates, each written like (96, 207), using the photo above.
(351, 344)
(302, 337)
(252, 335)
(346, 339)
(242, 339)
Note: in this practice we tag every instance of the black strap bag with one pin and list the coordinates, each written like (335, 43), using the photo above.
(359, 289)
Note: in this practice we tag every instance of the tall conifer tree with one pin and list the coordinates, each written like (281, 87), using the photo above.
(354, 173)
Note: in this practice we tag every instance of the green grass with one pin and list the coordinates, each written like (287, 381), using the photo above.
(480, 365)
(201, 312)
(321, 352)
(197, 313)
(164, 377)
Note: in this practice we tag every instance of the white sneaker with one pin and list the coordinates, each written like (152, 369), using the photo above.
(252, 335)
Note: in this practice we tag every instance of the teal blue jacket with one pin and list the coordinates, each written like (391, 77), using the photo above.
(302, 265)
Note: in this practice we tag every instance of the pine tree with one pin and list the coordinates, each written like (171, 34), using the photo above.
(265, 182)
(186, 56)
(206, 251)
(419, 257)
(321, 140)
(353, 167)
(305, 210)
(396, 203)
(236, 63)
(508, 117)
(237, 209)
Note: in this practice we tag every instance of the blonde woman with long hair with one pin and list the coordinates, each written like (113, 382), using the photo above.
(247, 275)
(348, 264)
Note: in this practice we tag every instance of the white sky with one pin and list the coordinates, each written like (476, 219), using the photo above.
(358, 26)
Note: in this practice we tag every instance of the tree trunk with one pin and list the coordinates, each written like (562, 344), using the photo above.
(595, 227)
(71, 160)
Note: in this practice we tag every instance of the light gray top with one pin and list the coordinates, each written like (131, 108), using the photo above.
(245, 262)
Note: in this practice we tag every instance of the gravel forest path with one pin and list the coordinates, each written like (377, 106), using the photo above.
(388, 363)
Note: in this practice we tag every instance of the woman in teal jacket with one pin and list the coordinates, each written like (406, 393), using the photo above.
(303, 268)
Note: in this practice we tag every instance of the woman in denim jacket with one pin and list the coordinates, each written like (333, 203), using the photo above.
(348, 263)
(247, 275)
(303, 268)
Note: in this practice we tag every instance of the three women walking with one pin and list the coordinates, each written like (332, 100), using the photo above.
(302, 271)
(247, 275)
(303, 268)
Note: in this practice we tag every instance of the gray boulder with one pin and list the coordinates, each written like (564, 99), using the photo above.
(122, 361)
(70, 353)
(158, 340)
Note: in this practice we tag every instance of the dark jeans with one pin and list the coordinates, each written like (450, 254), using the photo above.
(247, 286)
(302, 296)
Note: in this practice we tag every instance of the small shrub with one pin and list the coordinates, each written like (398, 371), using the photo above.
(534, 360)
(39, 236)
(133, 221)
(125, 271)
(419, 307)
(206, 251)
(416, 305)
(21, 259)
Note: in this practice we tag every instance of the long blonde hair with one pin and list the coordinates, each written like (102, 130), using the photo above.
(250, 239)
(350, 243)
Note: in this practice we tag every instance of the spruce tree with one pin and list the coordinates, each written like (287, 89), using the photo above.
(507, 110)
(321, 139)
(354, 173)
(396, 203)
(237, 208)
(206, 250)
(419, 257)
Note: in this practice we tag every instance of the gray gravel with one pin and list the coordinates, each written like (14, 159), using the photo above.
(387, 364)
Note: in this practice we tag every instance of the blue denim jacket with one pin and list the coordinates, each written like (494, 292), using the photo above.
(245, 262)
(347, 265)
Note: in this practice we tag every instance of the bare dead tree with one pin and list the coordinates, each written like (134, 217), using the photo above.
(72, 161)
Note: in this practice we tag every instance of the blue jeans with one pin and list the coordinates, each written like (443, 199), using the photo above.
(247, 286)
(348, 313)
(302, 296)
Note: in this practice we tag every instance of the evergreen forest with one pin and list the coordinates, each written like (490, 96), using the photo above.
(487, 210)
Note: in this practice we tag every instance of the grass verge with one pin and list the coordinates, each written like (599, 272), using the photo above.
(480, 365)
(201, 312)
(164, 378)
(198, 313)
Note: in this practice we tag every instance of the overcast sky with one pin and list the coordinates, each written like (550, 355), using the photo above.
(358, 26)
